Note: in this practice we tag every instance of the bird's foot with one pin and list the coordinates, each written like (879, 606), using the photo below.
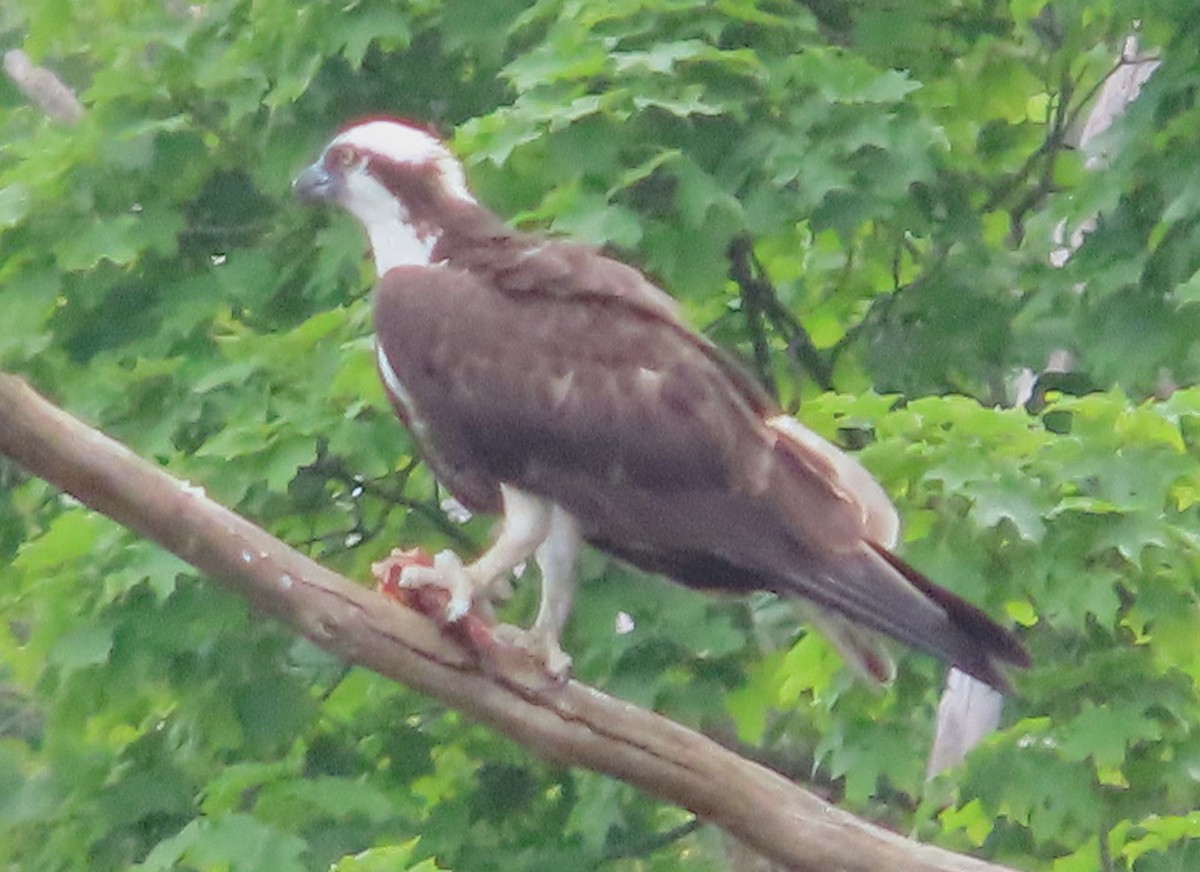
(399, 577)
(413, 578)
(494, 591)
(448, 573)
(539, 645)
(442, 589)
(387, 571)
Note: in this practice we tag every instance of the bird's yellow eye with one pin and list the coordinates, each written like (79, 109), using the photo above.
(345, 156)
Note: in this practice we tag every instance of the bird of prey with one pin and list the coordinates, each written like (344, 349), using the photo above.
(544, 380)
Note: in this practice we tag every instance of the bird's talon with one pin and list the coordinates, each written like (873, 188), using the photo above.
(449, 573)
(441, 587)
(539, 646)
(457, 608)
(499, 590)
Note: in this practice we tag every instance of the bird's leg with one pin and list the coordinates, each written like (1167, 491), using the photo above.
(524, 527)
(556, 560)
(531, 526)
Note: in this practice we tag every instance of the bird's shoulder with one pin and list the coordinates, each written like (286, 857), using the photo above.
(577, 273)
(522, 265)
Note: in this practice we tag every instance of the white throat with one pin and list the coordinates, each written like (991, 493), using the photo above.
(395, 241)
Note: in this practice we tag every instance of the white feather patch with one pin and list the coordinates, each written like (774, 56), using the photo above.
(394, 240)
(399, 393)
(879, 515)
(403, 143)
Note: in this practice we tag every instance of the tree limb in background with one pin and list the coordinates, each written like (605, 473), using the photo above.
(43, 88)
(969, 710)
(569, 723)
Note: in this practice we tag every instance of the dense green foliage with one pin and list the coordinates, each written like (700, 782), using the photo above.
(859, 197)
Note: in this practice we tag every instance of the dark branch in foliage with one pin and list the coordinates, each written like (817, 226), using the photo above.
(1055, 142)
(1041, 161)
(1083, 104)
(759, 302)
(835, 17)
(334, 468)
(1064, 115)
(644, 847)
(752, 307)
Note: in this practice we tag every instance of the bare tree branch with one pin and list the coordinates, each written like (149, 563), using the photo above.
(567, 723)
(759, 301)
(739, 271)
(46, 90)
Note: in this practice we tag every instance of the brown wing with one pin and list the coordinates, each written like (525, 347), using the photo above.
(532, 386)
(602, 401)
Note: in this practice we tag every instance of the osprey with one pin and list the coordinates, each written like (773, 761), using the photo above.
(546, 381)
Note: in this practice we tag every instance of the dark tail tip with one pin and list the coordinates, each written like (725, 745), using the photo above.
(986, 646)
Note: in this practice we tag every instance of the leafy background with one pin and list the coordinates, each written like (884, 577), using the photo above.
(860, 198)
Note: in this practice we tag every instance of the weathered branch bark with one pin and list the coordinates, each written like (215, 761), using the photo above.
(43, 88)
(570, 724)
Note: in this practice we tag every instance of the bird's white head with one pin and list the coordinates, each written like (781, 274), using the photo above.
(392, 176)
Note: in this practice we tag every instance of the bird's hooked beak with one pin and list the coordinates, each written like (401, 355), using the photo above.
(316, 184)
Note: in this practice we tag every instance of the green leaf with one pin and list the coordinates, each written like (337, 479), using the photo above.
(14, 204)
(270, 710)
(71, 536)
(1104, 733)
(1085, 859)
(971, 819)
(387, 859)
(367, 24)
(118, 239)
(997, 501)
(1157, 833)
(846, 79)
(85, 646)
(596, 812)
(236, 842)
